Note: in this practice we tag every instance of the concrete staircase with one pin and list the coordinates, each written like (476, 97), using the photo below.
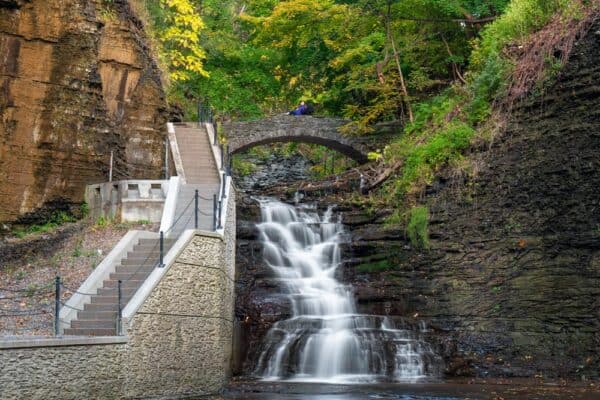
(201, 173)
(195, 156)
(99, 316)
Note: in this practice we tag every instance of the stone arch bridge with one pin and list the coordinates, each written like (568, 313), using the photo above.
(290, 128)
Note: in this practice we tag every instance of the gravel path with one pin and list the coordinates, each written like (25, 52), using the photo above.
(29, 266)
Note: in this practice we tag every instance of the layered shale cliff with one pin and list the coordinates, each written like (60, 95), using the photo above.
(77, 82)
(512, 279)
(511, 283)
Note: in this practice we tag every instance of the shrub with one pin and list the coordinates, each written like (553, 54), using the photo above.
(242, 167)
(423, 160)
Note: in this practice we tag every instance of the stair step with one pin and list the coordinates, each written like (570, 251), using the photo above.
(98, 307)
(94, 324)
(111, 283)
(94, 315)
(149, 260)
(108, 299)
(90, 332)
(133, 269)
(128, 276)
(152, 242)
(111, 291)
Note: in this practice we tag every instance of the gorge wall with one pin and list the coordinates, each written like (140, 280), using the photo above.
(511, 283)
(77, 81)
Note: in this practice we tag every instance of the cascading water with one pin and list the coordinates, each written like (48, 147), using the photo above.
(325, 340)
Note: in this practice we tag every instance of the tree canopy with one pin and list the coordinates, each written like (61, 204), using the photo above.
(369, 60)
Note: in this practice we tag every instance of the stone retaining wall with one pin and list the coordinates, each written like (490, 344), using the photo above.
(178, 343)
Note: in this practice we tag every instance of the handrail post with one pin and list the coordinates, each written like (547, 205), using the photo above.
(120, 314)
(196, 196)
(220, 211)
(229, 164)
(56, 305)
(214, 212)
(224, 181)
(162, 250)
(199, 112)
(222, 157)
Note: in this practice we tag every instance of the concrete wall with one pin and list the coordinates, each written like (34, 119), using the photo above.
(89, 368)
(129, 200)
(178, 343)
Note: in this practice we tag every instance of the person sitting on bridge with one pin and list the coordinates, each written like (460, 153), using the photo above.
(300, 110)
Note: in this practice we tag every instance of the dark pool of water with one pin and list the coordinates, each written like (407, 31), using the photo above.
(426, 391)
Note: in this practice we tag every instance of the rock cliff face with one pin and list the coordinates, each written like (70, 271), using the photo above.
(77, 81)
(511, 283)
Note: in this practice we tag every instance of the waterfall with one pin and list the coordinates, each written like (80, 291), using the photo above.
(326, 340)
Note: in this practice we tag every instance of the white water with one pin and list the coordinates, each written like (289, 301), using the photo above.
(326, 340)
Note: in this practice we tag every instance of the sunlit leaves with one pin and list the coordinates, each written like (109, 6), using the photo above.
(181, 40)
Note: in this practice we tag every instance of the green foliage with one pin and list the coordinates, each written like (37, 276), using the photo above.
(55, 220)
(84, 209)
(242, 167)
(444, 125)
(374, 156)
(261, 152)
(368, 60)
(326, 162)
(423, 157)
(106, 12)
(102, 222)
(418, 230)
(264, 55)
(181, 41)
(78, 250)
(377, 266)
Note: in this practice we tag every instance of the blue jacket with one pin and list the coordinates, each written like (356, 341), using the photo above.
(301, 110)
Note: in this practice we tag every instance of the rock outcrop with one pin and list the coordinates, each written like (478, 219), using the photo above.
(77, 82)
(511, 282)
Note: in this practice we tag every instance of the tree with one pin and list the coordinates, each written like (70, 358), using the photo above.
(180, 38)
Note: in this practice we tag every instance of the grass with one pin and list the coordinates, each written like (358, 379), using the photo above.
(418, 227)
(102, 222)
(57, 219)
(242, 167)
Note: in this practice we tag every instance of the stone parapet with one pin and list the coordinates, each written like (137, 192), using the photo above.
(128, 200)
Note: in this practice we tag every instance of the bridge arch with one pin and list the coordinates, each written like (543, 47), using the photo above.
(289, 128)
